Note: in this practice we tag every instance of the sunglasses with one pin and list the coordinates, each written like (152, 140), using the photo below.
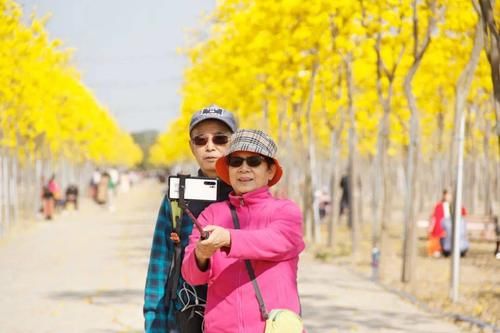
(252, 161)
(218, 139)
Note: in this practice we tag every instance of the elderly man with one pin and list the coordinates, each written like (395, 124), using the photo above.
(170, 304)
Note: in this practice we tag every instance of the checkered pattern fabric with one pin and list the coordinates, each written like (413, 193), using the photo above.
(253, 141)
(158, 316)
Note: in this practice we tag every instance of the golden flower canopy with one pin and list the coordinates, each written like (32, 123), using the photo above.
(46, 111)
(259, 58)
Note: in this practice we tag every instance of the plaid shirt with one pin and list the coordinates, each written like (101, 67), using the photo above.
(158, 317)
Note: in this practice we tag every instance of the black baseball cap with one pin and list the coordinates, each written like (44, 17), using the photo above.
(214, 112)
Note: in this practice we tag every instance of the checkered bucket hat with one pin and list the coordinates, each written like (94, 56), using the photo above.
(254, 141)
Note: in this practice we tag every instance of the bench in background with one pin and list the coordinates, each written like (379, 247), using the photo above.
(479, 227)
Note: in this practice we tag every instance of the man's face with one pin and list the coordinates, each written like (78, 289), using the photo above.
(209, 141)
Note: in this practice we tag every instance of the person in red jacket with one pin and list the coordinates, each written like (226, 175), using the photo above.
(442, 210)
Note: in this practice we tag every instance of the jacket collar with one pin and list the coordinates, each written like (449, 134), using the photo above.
(250, 198)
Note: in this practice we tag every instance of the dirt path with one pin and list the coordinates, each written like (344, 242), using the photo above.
(82, 272)
(334, 299)
(85, 272)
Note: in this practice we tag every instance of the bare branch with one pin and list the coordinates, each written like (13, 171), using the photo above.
(431, 24)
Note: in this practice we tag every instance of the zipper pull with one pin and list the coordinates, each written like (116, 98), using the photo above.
(242, 203)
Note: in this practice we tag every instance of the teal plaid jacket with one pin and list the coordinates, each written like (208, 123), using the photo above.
(158, 316)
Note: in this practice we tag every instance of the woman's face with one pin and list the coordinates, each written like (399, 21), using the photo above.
(245, 178)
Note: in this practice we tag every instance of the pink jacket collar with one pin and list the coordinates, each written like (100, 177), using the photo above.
(250, 198)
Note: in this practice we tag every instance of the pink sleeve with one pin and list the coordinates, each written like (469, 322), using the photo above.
(190, 270)
(280, 240)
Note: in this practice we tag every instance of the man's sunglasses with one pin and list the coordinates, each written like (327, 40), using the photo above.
(252, 161)
(218, 139)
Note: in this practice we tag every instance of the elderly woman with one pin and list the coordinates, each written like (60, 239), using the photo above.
(269, 235)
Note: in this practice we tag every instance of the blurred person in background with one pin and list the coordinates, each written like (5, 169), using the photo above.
(113, 182)
(47, 201)
(446, 241)
(56, 191)
(437, 232)
(497, 231)
(71, 197)
(124, 182)
(95, 179)
(344, 199)
(103, 189)
(114, 176)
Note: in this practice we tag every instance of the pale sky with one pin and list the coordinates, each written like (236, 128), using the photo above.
(126, 51)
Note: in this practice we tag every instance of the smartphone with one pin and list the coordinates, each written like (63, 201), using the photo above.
(196, 188)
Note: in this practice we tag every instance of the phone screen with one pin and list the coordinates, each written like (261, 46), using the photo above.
(196, 188)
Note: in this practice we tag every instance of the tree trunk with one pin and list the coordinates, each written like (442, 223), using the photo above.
(5, 188)
(409, 252)
(380, 177)
(332, 219)
(352, 152)
(487, 188)
(312, 159)
(359, 183)
(14, 191)
(473, 182)
(410, 238)
(38, 184)
(422, 185)
(462, 88)
(3, 226)
(492, 48)
(307, 206)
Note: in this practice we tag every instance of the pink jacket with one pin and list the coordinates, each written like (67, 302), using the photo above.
(271, 237)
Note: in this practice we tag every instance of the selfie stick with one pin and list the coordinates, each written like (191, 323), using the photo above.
(183, 205)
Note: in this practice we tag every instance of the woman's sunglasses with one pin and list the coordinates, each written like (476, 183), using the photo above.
(218, 139)
(252, 161)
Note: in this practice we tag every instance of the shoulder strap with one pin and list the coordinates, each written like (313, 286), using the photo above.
(176, 216)
(175, 265)
(251, 273)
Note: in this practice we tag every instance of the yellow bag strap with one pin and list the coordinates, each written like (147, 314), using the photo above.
(176, 214)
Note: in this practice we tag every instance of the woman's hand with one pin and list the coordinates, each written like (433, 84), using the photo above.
(219, 237)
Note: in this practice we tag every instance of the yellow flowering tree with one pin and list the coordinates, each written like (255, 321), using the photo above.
(319, 75)
(45, 110)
